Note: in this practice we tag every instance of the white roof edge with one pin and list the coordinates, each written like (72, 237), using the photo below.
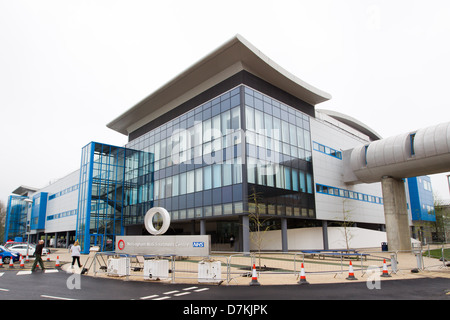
(352, 122)
(283, 71)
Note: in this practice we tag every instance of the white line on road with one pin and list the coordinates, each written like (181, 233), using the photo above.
(190, 288)
(57, 298)
(162, 298)
(51, 270)
(23, 272)
(202, 289)
(170, 292)
(149, 297)
(182, 294)
(1, 289)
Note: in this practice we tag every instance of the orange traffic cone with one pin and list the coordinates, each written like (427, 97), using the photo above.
(254, 281)
(27, 259)
(57, 265)
(1, 262)
(351, 275)
(48, 256)
(11, 263)
(21, 262)
(385, 273)
(302, 276)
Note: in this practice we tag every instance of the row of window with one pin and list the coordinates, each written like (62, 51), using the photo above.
(63, 192)
(327, 150)
(207, 211)
(262, 102)
(62, 214)
(205, 178)
(210, 110)
(281, 210)
(279, 176)
(338, 192)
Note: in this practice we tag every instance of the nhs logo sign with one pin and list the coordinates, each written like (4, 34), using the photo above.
(198, 244)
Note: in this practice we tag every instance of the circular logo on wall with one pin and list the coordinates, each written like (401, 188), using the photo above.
(121, 245)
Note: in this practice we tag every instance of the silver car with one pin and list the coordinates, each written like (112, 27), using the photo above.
(22, 249)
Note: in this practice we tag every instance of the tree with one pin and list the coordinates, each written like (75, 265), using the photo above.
(442, 212)
(259, 224)
(346, 223)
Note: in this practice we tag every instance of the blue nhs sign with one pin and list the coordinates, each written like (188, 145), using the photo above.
(198, 244)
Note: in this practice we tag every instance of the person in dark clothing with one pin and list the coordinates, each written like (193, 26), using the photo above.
(38, 254)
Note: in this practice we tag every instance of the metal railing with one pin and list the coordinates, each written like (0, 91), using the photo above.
(236, 267)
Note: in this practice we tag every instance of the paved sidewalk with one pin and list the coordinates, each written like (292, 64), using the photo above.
(407, 263)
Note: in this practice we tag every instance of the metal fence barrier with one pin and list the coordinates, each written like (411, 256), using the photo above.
(236, 267)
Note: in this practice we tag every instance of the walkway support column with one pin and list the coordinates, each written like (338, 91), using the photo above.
(396, 214)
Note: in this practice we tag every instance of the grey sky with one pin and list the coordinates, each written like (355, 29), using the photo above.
(67, 68)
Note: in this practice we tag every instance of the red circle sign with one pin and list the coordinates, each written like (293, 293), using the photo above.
(121, 244)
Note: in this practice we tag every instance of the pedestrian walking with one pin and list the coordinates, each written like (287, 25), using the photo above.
(38, 254)
(75, 253)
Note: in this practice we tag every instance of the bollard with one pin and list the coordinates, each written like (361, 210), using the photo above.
(419, 261)
(394, 263)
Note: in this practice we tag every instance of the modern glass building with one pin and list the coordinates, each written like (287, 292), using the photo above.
(233, 136)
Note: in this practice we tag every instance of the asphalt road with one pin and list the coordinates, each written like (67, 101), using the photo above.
(21, 285)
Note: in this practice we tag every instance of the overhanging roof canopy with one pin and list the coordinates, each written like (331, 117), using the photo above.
(353, 123)
(23, 190)
(234, 56)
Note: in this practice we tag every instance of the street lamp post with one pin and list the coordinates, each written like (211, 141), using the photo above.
(28, 232)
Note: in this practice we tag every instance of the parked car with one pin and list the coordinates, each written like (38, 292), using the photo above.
(21, 247)
(7, 255)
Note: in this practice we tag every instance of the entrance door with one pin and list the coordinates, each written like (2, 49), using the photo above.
(97, 241)
(227, 232)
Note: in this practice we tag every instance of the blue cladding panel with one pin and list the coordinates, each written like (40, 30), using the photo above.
(38, 211)
(421, 196)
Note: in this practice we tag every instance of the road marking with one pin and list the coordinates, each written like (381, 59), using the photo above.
(182, 294)
(170, 292)
(149, 297)
(1, 273)
(51, 270)
(202, 289)
(190, 288)
(162, 298)
(23, 272)
(57, 298)
(1, 289)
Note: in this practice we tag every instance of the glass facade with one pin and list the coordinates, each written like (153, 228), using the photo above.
(198, 160)
(211, 158)
(16, 221)
(115, 190)
(279, 158)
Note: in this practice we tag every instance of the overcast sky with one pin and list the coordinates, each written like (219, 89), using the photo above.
(67, 68)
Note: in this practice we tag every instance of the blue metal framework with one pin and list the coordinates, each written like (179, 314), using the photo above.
(111, 179)
(38, 211)
(16, 219)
